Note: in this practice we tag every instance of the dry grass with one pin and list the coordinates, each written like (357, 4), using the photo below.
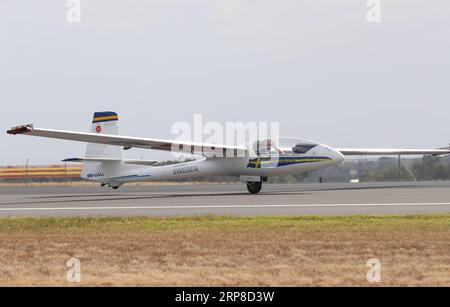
(226, 251)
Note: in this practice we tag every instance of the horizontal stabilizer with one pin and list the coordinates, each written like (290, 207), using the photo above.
(126, 161)
(140, 162)
(92, 160)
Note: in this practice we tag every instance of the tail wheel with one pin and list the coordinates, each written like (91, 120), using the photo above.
(254, 186)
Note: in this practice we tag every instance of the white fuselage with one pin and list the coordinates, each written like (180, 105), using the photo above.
(115, 174)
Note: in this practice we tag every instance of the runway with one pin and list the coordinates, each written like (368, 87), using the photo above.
(229, 199)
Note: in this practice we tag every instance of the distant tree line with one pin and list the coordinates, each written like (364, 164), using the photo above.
(427, 168)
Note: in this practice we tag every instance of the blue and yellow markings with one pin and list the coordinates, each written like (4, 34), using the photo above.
(105, 117)
(283, 161)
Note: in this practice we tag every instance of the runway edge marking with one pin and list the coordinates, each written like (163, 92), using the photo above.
(219, 206)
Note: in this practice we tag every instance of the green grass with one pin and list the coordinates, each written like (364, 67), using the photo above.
(226, 223)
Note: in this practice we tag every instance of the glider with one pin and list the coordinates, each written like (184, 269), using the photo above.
(103, 161)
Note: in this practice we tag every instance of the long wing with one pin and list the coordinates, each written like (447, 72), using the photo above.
(129, 142)
(391, 151)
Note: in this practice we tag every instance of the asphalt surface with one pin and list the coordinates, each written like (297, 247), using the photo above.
(227, 199)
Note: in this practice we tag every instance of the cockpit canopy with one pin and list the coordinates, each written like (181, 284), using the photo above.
(302, 148)
(285, 146)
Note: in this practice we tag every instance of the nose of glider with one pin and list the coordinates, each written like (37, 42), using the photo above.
(337, 156)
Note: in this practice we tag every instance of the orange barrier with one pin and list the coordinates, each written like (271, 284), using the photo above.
(34, 172)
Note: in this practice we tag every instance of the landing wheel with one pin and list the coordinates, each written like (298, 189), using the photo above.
(115, 188)
(254, 186)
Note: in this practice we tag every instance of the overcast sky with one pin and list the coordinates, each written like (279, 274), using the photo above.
(318, 67)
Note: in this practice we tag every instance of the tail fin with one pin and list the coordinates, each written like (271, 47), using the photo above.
(105, 123)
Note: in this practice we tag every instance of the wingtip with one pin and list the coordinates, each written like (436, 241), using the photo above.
(20, 129)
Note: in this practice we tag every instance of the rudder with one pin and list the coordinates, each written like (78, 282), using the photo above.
(104, 123)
